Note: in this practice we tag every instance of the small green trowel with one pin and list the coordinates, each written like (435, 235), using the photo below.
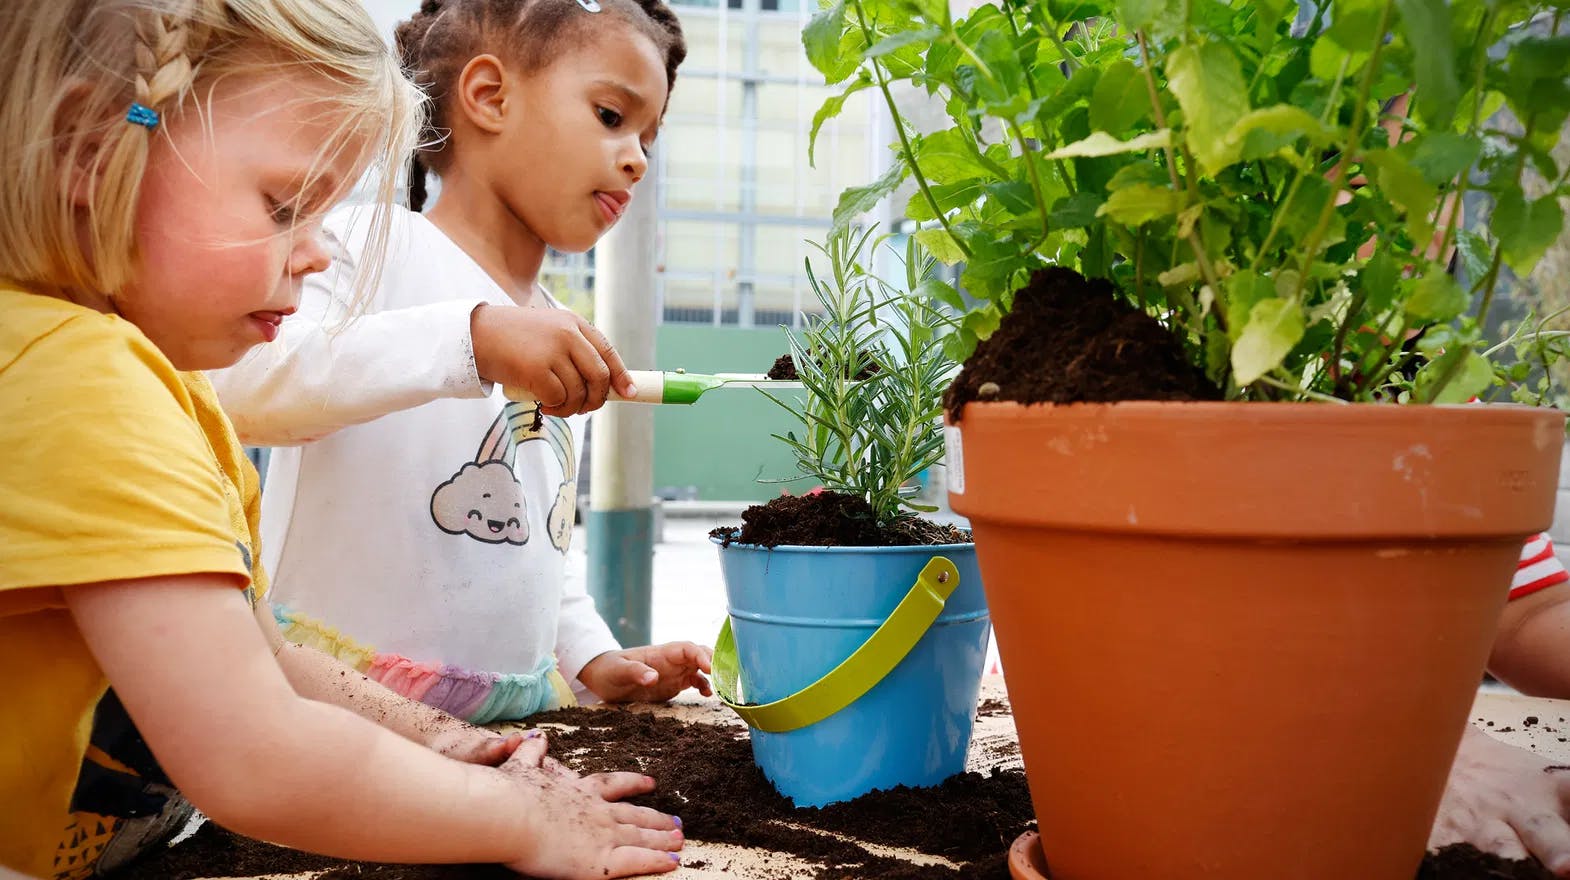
(678, 386)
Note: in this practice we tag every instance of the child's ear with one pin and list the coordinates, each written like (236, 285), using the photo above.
(79, 140)
(483, 91)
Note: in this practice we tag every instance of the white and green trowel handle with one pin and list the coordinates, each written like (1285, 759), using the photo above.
(675, 387)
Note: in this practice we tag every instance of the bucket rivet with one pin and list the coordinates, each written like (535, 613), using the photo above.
(943, 577)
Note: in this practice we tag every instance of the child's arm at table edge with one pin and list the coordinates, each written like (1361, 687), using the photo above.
(255, 757)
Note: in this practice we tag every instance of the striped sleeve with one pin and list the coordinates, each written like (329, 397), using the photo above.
(1538, 568)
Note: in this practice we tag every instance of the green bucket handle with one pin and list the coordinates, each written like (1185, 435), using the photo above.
(858, 673)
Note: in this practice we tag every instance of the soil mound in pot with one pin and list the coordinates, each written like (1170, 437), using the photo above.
(831, 519)
(1071, 340)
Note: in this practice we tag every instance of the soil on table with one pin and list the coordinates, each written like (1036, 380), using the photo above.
(785, 369)
(706, 775)
(1070, 340)
(832, 519)
(1465, 862)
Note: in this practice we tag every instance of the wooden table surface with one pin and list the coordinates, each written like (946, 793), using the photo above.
(1506, 716)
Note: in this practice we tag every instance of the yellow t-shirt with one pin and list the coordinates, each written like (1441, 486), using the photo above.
(115, 465)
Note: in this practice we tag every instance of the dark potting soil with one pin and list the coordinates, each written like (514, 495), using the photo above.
(785, 369)
(1463, 861)
(831, 519)
(1069, 340)
(706, 775)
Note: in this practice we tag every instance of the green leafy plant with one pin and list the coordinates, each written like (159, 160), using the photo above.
(871, 435)
(1278, 186)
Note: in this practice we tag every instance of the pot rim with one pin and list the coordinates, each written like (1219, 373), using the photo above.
(1263, 409)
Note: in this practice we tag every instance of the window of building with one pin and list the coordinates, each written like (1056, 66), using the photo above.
(738, 201)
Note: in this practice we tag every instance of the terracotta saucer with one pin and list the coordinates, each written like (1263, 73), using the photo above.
(1026, 861)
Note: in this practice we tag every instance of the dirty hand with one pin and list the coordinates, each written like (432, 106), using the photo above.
(476, 745)
(579, 830)
(651, 674)
(565, 361)
(1506, 801)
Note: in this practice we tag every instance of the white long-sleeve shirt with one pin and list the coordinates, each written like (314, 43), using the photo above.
(415, 521)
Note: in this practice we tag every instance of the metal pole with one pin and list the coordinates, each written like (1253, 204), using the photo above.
(621, 468)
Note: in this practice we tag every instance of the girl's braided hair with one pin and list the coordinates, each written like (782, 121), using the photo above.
(444, 35)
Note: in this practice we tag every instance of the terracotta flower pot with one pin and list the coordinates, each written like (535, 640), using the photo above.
(1241, 640)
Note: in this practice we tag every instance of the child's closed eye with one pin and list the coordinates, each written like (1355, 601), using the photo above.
(284, 213)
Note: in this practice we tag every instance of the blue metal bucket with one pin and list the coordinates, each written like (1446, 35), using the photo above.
(797, 612)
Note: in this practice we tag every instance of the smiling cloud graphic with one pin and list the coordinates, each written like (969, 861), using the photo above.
(483, 501)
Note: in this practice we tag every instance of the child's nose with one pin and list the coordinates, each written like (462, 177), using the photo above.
(310, 253)
(636, 164)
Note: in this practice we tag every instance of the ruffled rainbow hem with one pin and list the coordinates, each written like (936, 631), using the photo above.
(476, 697)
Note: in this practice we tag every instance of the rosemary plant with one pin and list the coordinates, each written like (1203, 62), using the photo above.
(869, 436)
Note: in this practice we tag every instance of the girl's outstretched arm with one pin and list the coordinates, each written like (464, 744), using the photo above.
(198, 678)
(318, 676)
(339, 363)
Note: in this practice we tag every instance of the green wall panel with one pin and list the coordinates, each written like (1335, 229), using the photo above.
(721, 445)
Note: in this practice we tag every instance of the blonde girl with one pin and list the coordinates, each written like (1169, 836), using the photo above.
(167, 166)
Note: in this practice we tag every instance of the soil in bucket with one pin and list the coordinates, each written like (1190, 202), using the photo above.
(1070, 340)
(831, 519)
(707, 777)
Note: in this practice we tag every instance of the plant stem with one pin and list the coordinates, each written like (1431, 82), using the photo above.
(1380, 370)
(1057, 40)
(904, 139)
(1534, 337)
(1195, 243)
(1452, 226)
(1030, 82)
(1035, 178)
(1277, 219)
(1354, 142)
(1294, 389)
(1304, 169)
(1155, 105)
(1139, 267)
(1528, 128)
(1353, 308)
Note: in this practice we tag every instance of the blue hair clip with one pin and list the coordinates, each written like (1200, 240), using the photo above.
(143, 115)
(590, 5)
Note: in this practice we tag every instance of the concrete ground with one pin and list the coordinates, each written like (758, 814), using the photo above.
(689, 594)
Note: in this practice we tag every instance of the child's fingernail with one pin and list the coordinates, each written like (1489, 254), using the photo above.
(533, 734)
(675, 858)
(678, 822)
